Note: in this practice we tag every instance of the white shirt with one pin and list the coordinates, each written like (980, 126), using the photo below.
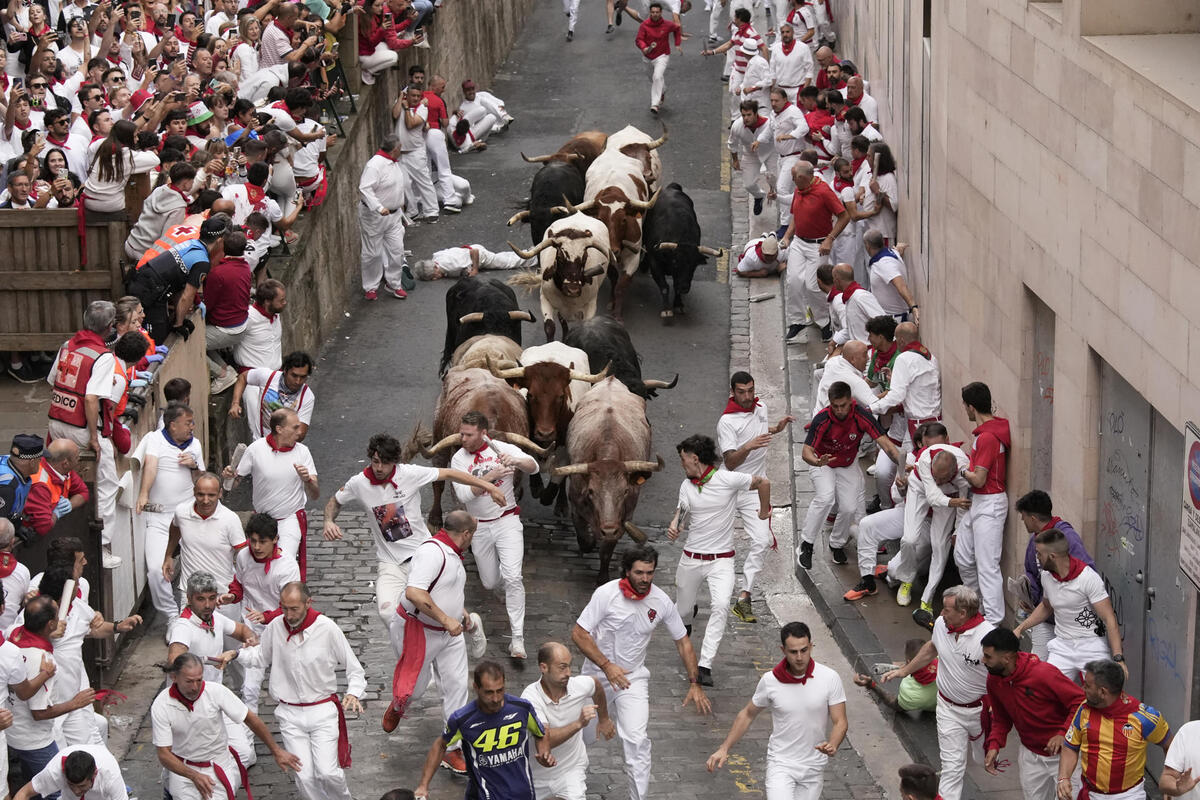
(571, 755)
(1185, 754)
(483, 507)
(916, 383)
(799, 715)
(792, 70)
(758, 74)
(933, 492)
(837, 368)
(1073, 603)
(248, 55)
(382, 184)
(622, 627)
(868, 105)
(883, 271)
(108, 784)
(750, 261)
(437, 569)
(208, 545)
(861, 306)
(266, 393)
(789, 121)
(454, 262)
(173, 481)
(12, 671)
(278, 490)
(740, 138)
(198, 734)
(15, 586)
(737, 428)
(412, 139)
(304, 665)
(239, 193)
(188, 630)
(711, 509)
(26, 733)
(261, 344)
(837, 312)
(885, 220)
(70, 677)
(393, 509)
(306, 160)
(961, 676)
(263, 582)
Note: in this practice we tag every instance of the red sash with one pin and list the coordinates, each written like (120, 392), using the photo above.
(343, 732)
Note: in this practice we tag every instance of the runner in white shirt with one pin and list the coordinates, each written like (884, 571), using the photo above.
(189, 734)
(708, 501)
(23, 684)
(961, 683)
(613, 634)
(304, 650)
(792, 65)
(789, 132)
(465, 260)
(916, 382)
(846, 365)
(804, 697)
(750, 148)
(761, 258)
(428, 628)
(888, 277)
(261, 344)
(499, 541)
(261, 571)
(285, 479)
(171, 459)
(199, 631)
(1181, 768)
(743, 435)
(79, 771)
(14, 577)
(860, 305)
(1085, 625)
(391, 494)
(567, 706)
(208, 534)
(264, 391)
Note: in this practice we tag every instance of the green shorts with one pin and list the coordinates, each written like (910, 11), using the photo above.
(915, 697)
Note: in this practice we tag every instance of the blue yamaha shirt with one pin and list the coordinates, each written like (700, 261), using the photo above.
(497, 748)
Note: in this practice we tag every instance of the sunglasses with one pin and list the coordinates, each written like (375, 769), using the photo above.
(117, 80)
(37, 86)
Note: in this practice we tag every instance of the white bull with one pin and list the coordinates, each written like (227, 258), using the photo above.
(634, 143)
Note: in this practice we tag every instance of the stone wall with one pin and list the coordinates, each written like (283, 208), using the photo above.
(469, 39)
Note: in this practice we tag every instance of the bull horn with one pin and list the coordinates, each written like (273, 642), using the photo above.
(596, 378)
(708, 251)
(523, 316)
(520, 216)
(474, 316)
(627, 244)
(521, 442)
(636, 533)
(667, 246)
(660, 141)
(655, 384)
(453, 440)
(580, 209)
(536, 159)
(539, 247)
(505, 373)
(644, 466)
(645, 205)
(570, 469)
(592, 272)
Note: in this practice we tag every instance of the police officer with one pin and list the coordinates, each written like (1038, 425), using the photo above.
(16, 469)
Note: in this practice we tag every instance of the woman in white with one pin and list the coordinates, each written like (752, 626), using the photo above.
(244, 58)
(115, 161)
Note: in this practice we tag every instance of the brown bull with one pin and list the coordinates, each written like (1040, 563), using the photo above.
(580, 150)
(609, 444)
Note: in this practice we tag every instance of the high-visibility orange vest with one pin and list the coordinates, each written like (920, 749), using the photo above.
(174, 236)
(75, 362)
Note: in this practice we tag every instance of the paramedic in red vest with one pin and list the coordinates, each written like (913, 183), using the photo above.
(56, 488)
(261, 392)
(980, 539)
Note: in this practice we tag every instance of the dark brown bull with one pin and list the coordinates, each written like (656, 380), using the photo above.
(609, 445)
(580, 150)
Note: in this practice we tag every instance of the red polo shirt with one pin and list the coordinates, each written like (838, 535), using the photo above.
(814, 208)
(437, 111)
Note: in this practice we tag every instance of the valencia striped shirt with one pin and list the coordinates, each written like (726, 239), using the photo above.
(1111, 742)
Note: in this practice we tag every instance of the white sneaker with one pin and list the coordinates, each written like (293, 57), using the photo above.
(476, 640)
(109, 560)
(517, 648)
(470, 199)
(801, 337)
(223, 381)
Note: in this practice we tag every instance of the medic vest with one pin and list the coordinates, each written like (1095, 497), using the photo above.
(46, 476)
(75, 362)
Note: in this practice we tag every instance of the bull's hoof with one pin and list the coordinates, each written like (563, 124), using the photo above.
(666, 313)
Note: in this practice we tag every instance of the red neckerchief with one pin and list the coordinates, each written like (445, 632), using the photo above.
(385, 154)
(882, 357)
(17, 124)
(271, 442)
(186, 200)
(202, 516)
(288, 31)
(926, 674)
(966, 626)
(445, 539)
(369, 474)
(757, 122)
(190, 705)
(856, 163)
(733, 408)
(850, 290)
(852, 101)
(787, 47)
(1076, 567)
(204, 626)
(256, 194)
(262, 309)
(1053, 522)
(917, 347)
(57, 143)
(784, 675)
(628, 590)
(8, 563)
(839, 184)
(274, 555)
(785, 107)
(310, 616)
(23, 638)
(282, 106)
(703, 479)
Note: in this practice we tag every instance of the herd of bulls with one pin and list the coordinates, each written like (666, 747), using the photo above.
(596, 209)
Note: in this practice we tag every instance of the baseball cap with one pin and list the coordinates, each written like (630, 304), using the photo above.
(198, 112)
(770, 245)
(26, 446)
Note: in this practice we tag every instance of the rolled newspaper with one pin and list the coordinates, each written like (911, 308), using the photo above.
(233, 463)
(65, 603)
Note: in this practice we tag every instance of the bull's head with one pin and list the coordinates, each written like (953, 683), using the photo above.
(548, 392)
(610, 489)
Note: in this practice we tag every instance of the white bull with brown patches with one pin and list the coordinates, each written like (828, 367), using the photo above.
(642, 147)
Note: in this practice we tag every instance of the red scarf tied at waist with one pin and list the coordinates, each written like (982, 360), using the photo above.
(343, 732)
(784, 675)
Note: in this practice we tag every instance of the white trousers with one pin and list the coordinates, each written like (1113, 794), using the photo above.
(242, 741)
(761, 538)
(978, 548)
(1039, 774)
(501, 260)
(485, 127)
(630, 711)
(719, 575)
(959, 733)
(571, 9)
(182, 788)
(716, 9)
(289, 535)
(382, 58)
(1072, 655)
(803, 296)
(423, 197)
(1039, 639)
(941, 525)
(564, 785)
(220, 339)
(435, 148)
(885, 476)
(793, 782)
(499, 549)
(106, 489)
(444, 654)
(311, 733)
(882, 526)
(494, 105)
(843, 485)
(752, 166)
(79, 727)
(252, 677)
(382, 247)
(658, 78)
(157, 526)
(785, 187)
(1133, 793)
(736, 80)
(390, 582)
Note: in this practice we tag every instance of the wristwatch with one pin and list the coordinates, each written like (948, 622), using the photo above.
(1119, 658)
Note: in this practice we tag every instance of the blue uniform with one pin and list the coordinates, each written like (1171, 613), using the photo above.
(14, 488)
(497, 748)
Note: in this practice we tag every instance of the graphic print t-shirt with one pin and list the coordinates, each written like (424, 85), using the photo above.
(497, 748)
